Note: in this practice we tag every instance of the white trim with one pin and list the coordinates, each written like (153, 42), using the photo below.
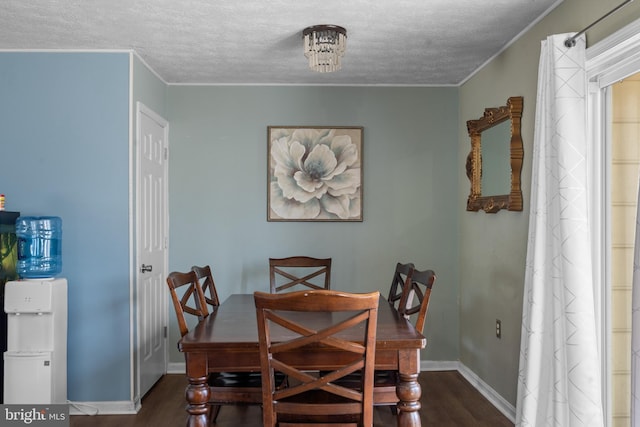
(54, 50)
(132, 268)
(176, 368)
(428, 85)
(615, 57)
(439, 365)
(625, 37)
(599, 171)
(606, 119)
(149, 67)
(123, 407)
(507, 409)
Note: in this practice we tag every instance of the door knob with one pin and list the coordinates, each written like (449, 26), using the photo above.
(146, 268)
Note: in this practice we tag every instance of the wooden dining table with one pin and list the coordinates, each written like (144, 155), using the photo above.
(227, 341)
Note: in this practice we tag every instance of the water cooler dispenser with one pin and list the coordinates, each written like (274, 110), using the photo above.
(35, 363)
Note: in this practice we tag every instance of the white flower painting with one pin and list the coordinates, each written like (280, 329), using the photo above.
(314, 174)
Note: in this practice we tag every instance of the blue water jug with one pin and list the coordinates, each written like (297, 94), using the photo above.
(39, 246)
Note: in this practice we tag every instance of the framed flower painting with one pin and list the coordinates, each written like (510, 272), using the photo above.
(314, 173)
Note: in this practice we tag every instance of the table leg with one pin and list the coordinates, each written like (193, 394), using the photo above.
(197, 397)
(409, 390)
(197, 392)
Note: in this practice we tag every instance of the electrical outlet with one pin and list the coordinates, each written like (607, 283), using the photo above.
(498, 328)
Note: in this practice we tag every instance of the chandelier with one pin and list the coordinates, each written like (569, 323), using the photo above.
(324, 46)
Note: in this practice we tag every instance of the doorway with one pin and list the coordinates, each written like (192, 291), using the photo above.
(151, 247)
(625, 169)
(612, 67)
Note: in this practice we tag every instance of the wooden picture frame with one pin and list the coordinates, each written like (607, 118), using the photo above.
(314, 173)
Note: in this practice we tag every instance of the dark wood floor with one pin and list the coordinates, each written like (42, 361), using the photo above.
(448, 400)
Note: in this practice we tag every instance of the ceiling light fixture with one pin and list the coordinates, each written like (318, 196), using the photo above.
(324, 46)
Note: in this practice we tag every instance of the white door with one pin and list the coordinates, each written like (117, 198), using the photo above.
(151, 246)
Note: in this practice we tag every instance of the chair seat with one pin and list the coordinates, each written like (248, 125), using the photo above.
(380, 379)
(241, 379)
(310, 408)
(314, 404)
(235, 379)
(384, 385)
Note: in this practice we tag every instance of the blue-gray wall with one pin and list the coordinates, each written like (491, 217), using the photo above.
(217, 190)
(66, 118)
(64, 150)
(148, 89)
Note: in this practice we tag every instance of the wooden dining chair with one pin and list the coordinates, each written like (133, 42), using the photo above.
(285, 273)
(205, 278)
(414, 300)
(400, 279)
(310, 398)
(224, 387)
(232, 381)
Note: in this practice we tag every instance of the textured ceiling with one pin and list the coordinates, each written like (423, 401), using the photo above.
(399, 42)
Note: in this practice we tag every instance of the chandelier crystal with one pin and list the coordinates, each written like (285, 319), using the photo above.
(324, 46)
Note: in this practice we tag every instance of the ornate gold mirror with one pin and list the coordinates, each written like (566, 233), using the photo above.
(495, 160)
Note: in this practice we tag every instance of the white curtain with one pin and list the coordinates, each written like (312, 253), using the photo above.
(559, 382)
(635, 327)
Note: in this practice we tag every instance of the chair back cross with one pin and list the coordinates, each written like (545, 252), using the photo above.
(312, 273)
(415, 299)
(192, 300)
(205, 277)
(401, 277)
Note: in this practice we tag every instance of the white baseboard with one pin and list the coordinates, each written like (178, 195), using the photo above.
(509, 411)
(489, 393)
(176, 368)
(439, 365)
(104, 408)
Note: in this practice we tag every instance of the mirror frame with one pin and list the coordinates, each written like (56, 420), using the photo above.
(492, 117)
